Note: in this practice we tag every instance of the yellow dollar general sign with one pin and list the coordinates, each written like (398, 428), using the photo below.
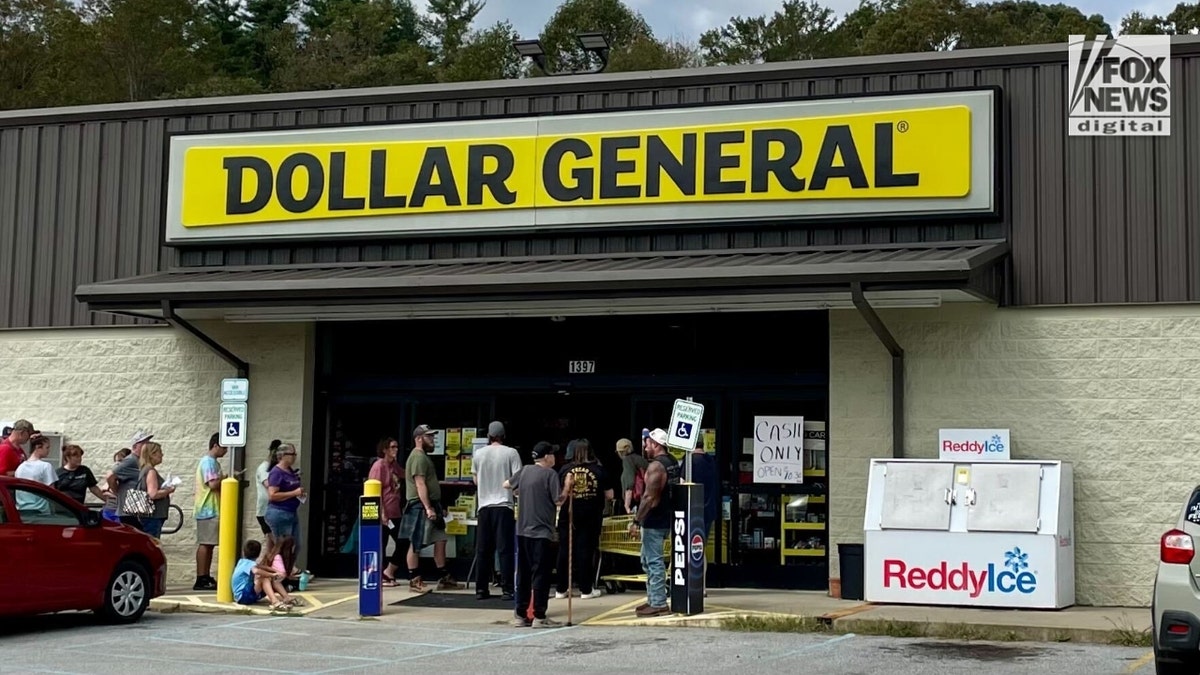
(521, 172)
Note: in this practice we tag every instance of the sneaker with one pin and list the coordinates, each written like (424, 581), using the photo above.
(560, 596)
(519, 622)
(205, 584)
(417, 585)
(507, 597)
(447, 583)
(596, 592)
(546, 623)
(649, 611)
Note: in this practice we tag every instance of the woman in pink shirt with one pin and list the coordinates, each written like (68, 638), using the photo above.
(390, 474)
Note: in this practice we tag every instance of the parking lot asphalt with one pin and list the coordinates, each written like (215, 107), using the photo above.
(195, 643)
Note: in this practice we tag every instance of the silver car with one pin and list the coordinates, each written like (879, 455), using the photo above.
(1175, 610)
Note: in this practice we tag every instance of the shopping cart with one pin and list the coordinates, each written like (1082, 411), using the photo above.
(616, 543)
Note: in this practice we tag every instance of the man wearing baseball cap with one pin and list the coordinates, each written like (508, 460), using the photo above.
(538, 493)
(424, 519)
(654, 520)
(11, 454)
(126, 473)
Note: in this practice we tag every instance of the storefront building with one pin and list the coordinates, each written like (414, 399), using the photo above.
(885, 247)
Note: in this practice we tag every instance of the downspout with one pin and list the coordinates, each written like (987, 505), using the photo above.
(893, 347)
(243, 370)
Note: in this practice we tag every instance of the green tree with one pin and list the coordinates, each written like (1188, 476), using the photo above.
(621, 25)
(647, 53)
(270, 38)
(1183, 20)
(801, 29)
(486, 55)
(42, 54)
(356, 44)
(144, 48)
(448, 25)
(1021, 22)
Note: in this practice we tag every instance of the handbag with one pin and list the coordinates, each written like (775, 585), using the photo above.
(136, 501)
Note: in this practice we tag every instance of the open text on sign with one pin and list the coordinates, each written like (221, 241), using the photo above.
(779, 449)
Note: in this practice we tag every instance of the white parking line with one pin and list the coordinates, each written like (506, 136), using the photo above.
(811, 647)
(463, 648)
(259, 650)
(340, 637)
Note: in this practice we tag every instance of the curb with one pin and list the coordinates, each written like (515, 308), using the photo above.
(175, 607)
(982, 631)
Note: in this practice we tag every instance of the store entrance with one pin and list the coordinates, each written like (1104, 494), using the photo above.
(559, 417)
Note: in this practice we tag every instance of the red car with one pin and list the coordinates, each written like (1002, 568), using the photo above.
(59, 556)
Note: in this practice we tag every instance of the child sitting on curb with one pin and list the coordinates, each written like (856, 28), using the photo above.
(254, 579)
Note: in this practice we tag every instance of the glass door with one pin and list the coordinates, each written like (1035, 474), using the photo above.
(779, 534)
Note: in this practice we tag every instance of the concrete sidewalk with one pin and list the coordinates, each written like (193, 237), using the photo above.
(736, 609)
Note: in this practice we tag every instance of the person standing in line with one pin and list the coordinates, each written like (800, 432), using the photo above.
(36, 469)
(654, 520)
(491, 467)
(286, 494)
(207, 512)
(125, 476)
(260, 482)
(583, 485)
(537, 488)
(631, 463)
(159, 494)
(390, 476)
(704, 472)
(74, 479)
(424, 519)
(109, 512)
(11, 454)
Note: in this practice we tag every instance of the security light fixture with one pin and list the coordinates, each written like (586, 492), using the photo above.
(532, 50)
(591, 42)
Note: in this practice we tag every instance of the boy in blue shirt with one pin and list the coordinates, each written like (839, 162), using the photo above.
(243, 574)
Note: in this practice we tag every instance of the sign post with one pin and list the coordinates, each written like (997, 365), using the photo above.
(686, 573)
(370, 550)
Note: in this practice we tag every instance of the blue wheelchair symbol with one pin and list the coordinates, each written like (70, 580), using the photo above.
(233, 429)
(684, 430)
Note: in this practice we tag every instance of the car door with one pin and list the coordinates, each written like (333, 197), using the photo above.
(16, 540)
(69, 562)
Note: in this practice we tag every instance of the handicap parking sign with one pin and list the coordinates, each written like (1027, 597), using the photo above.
(684, 430)
(685, 424)
(233, 425)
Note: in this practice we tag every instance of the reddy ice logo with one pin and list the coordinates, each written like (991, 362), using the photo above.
(1012, 576)
(995, 444)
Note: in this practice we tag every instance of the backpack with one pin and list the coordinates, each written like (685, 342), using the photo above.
(639, 485)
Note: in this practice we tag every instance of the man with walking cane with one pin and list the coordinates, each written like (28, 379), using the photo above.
(537, 490)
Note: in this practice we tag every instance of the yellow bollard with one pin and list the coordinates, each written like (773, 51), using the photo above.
(372, 488)
(227, 553)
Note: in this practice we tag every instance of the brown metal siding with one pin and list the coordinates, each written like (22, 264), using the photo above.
(1092, 221)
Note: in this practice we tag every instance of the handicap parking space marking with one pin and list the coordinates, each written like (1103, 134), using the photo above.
(350, 638)
(174, 660)
(812, 647)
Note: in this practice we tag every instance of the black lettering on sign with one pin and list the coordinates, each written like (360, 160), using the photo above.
(612, 166)
(762, 166)
(681, 170)
(285, 183)
(885, 157)
(436, 161)
(715, 162)
(479, 178)
(380, 199)
(235, 168)
(337, 186)
(551, 171)
(838, 141)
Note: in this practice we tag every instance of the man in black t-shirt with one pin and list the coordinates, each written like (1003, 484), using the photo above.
(585, 485)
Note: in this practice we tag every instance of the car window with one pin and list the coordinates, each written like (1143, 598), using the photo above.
(38, 508)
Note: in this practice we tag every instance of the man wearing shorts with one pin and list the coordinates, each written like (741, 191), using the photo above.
(207, 512)
(424, 519)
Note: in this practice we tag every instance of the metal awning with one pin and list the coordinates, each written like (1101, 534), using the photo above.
(964, 266)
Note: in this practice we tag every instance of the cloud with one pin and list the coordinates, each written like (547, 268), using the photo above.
(669, 19)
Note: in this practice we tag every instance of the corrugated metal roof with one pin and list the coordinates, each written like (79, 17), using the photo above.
(938, 265)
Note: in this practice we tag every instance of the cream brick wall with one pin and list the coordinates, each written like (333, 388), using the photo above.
(98, 385)
(1115, 391)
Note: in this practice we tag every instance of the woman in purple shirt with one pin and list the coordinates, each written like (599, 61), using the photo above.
(284, 494)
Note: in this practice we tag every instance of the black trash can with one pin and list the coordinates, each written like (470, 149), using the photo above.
(851, 563)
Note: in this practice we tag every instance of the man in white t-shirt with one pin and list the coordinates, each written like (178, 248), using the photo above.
(494, 464)
(36, 469)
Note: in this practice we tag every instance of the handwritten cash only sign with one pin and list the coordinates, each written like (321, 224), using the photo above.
(779, 450)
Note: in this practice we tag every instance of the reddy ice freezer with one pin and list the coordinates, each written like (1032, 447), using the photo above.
(994, 534)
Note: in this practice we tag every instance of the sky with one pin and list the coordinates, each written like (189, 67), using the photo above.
(687, 19)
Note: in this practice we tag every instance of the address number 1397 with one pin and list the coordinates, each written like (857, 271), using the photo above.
(581, 367)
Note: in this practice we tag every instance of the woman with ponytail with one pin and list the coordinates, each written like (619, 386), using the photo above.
(260, 477)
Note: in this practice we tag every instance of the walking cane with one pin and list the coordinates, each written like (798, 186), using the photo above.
(570, 553)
